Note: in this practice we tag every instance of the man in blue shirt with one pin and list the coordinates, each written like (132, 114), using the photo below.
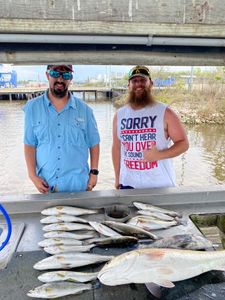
(60, 131)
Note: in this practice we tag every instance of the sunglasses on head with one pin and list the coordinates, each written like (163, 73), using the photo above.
(57, 74)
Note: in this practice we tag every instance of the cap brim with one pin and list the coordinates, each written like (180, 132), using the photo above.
(139, 75)
(54, 67)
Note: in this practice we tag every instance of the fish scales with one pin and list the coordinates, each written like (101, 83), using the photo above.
(160, 266)
(79, 235)
(62, 218)
(70, 210)
(54, 276)
(70, 260)
(67, 227)
(145, 206)
(58, 289)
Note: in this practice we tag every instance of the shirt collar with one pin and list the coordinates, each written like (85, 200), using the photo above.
(71, 102)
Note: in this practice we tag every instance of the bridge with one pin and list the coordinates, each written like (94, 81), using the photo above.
(23, 93)
(120, 32)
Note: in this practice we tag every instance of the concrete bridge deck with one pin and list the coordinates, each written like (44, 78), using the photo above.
(164, 32)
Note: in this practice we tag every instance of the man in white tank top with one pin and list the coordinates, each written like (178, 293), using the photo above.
(146, 135)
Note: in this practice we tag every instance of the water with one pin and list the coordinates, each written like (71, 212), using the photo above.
(202, 165)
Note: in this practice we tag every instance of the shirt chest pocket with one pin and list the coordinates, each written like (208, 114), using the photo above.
(41, 132)
(77, 136)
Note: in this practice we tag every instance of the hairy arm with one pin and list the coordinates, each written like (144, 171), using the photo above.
(174, 130)
(94, 159)
(30, 157)
(116, 153)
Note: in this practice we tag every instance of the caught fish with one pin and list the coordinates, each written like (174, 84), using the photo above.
(69, 210)
(58, 289)
(127, 229)
(67, 227)
(114, 241)
(59, 241)
(62, 218)
(71, 235)
(57, 249)
(182, 241)
(151, 224)
(70, 260)
(155, 215)
(145, 206)
(67, 276)
(160, 266)
(105, 230)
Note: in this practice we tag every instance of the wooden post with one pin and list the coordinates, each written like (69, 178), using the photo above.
(10, 97)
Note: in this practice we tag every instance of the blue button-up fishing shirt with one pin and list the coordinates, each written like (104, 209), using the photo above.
(62, 140)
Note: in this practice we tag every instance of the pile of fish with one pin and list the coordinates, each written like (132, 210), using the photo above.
(65, 236)
(69, 237)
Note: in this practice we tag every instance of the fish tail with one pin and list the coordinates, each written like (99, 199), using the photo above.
(180, 221)
(96, 284)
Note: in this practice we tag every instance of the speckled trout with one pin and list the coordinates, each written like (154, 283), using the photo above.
(151, 224)
(59, 241)
(70, 260)
(69, 210)
(57, 249)
(62, 218)
(66, 227)
(160, 266)
(67, 276)
(180, 241)
(127, 229)
(58, 289)
(78, 235)
(145, 206)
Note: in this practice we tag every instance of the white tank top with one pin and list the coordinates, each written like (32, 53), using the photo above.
(139, 130)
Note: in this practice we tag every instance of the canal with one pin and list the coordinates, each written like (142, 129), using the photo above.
(202, 165)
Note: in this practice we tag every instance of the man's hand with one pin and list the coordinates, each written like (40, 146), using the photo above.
(152, 155)
(92, 182)
(40, 184)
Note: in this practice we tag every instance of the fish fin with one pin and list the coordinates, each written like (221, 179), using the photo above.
(165, 283)
(154, 289)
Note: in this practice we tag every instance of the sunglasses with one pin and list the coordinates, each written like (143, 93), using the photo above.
(57, 74)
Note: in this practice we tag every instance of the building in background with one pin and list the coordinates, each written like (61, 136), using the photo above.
(8, 77)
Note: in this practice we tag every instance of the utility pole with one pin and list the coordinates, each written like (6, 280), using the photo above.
(190, 83)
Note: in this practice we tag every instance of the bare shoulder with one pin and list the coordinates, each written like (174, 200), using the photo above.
(173, 126)
(170, 114)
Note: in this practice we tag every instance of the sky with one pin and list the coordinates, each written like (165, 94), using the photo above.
(81, 72)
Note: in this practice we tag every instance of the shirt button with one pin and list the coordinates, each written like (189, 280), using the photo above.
(58, 158)
(58, 169)
(57, 177)
(59, 135)
(59, 147)
(58, 124)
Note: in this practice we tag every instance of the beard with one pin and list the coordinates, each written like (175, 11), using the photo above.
(59, 93)
(140, 100)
